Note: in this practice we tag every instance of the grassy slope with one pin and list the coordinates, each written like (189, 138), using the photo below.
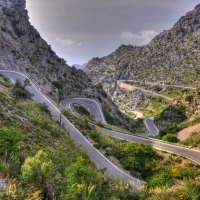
(40, 132)
(156, 105)
(153, 107)
(192, 141)
(162, 171)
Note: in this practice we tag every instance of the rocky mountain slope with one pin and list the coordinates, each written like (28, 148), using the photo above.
(23, 49)
(173, 56)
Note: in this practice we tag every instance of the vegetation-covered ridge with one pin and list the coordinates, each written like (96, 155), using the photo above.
(161, 171)
(38, 160)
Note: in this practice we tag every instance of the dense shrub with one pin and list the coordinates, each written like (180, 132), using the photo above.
(179, 109)
(81, 182)
(164, 178)
(100, 89)
(189, 98)
(58, 85)
(170, 138)
(9, 139)
(110, 118)
(37, 170)
(172, 128)
(19, 91)
(43, 108)
(137, 158)
(5, 81)
(81, 109)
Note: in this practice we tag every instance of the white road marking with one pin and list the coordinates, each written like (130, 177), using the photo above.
(58, 110)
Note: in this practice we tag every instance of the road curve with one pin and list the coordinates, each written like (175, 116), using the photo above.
(93, 106)
(191, 154)
(151, 127)
(95, 109)
(100, 161)
(160, 84)
(129, 87)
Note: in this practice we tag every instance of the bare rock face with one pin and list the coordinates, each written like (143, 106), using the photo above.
(171, 57)
(22, 49)
(171, 114)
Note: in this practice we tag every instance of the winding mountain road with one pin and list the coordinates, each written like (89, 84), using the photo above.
(100, 161)
(93, 106)
(160, 84)
(95, 109)
(97, 157)
(191, 154)
(131, 88)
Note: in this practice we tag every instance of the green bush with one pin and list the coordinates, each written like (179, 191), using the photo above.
(179, 109)
(19, 91)
(137, 158)
(127, 195)
(110, 118)
(82, 182)
(170, 138)
(81, 110)
(5, 81)
(172, 128)
(43, 107)
(185, 173)
(37, 170)
(9, 139)
(100, 89)
(189, 98)
(164, 178)
(58, 85)
(11, 166)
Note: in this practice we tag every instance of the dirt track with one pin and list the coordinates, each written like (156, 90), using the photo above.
(185, 133)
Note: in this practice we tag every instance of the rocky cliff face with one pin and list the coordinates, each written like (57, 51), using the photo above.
(173, 56)
(23, 49)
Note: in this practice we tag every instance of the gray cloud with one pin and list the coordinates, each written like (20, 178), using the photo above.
(68, 42)
(81, 29)
(144, 36)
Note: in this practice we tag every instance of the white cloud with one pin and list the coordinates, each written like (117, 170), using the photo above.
(68, 42)
(144, 36)
(127, 35)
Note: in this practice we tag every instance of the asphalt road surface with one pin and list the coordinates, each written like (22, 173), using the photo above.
(95, 109)
(93, 106)
(191, 154)
(100, 161)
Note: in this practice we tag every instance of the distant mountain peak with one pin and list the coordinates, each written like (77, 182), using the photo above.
(23, 49)
(197, 7)
(172, 56)
(79, 66)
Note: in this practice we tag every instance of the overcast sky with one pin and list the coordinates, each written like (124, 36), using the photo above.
(81, 29)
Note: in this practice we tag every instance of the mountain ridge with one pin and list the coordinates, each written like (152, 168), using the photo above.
(169, 52)
(23, 49)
